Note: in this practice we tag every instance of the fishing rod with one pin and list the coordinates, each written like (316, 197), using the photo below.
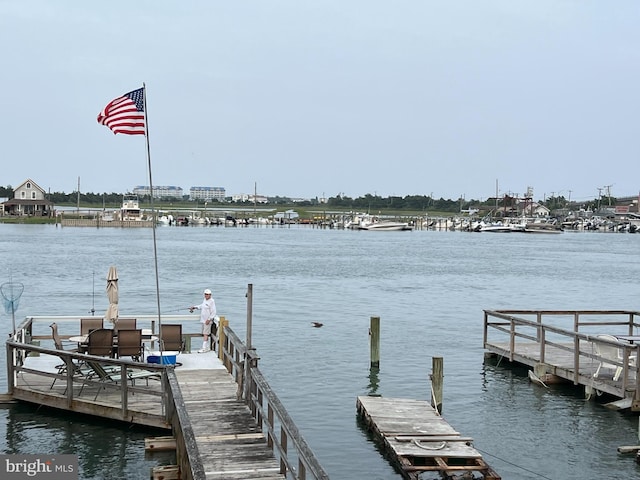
(177, 310)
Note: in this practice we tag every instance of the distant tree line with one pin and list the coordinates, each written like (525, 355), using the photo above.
(368, 202)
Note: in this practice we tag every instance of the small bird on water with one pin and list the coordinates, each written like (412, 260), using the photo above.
(316, 324)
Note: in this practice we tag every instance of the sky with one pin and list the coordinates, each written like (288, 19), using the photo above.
(449, 98)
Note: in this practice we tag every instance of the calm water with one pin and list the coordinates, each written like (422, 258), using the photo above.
(429, 288)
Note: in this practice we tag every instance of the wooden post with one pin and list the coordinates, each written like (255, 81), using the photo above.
(437, 377)
(249, 314)
(374, 338)
(221, 337)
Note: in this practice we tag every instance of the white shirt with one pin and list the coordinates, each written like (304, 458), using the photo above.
(207, 310)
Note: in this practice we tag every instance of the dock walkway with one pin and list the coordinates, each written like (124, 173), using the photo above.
(419, 440)
(229, 442)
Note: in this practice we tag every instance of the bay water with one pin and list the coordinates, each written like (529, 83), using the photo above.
(429, 289)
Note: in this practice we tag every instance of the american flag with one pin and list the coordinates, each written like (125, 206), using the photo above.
(125, 114)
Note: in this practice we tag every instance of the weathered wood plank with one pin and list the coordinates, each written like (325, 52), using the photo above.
(159, 443)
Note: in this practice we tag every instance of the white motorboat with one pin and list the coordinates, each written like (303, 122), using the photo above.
(130, 209)
(385, 226)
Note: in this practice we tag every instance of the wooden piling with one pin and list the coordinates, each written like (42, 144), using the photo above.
(249, 314)
(437, 383)
(223, 322)
(374, 337)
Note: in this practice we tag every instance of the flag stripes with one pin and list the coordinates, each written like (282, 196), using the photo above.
(125, 114)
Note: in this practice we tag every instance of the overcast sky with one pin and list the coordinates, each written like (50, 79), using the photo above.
(319, 98)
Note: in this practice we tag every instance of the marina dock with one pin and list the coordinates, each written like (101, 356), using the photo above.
(417, 439)
(225, 419)
(597, 350)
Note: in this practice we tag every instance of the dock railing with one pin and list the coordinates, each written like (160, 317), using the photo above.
(571, 331)
(37, 384)
(296, 459)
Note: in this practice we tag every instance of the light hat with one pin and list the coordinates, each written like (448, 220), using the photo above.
(207, 292)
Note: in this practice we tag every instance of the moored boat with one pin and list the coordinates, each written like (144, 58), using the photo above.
(130, 209)
(386, 226)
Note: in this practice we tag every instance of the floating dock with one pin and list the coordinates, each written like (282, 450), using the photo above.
(417, 439)
(569, 345)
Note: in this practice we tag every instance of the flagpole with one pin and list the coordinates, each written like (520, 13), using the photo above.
(153, 214)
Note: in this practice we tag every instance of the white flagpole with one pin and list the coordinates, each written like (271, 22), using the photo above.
(153, 214)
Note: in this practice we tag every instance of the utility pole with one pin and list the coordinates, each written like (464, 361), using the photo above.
(608, 187)
(599, 197)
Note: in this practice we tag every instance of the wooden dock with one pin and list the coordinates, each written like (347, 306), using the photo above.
(229, 442)
(564, 345)
(226, 421)
(417, 439)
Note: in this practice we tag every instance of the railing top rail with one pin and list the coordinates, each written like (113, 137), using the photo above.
(563, 312)
(141, 317)
(547, 328)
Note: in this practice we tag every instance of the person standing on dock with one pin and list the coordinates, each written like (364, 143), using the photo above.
(207, 318)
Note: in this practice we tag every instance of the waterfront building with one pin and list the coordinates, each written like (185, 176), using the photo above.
(207, 193)
(169, 191)
(28, 199)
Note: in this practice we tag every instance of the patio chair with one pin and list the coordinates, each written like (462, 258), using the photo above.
(130, 344)
(63, 367)
(89, 324)
(613, 353)
(171, 338)
(100, 342)
(124, 324)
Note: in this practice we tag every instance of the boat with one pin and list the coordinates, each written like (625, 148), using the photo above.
(130, 209)
(165, 219)
(383, 225)
(543, 227)
(498, 227)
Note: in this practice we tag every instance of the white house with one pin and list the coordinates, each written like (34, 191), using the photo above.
(28, 199)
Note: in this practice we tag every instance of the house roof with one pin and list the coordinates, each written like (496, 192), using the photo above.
(28, 180)
(17, 201)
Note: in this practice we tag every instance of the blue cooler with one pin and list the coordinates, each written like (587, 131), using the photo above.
(167, 358)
